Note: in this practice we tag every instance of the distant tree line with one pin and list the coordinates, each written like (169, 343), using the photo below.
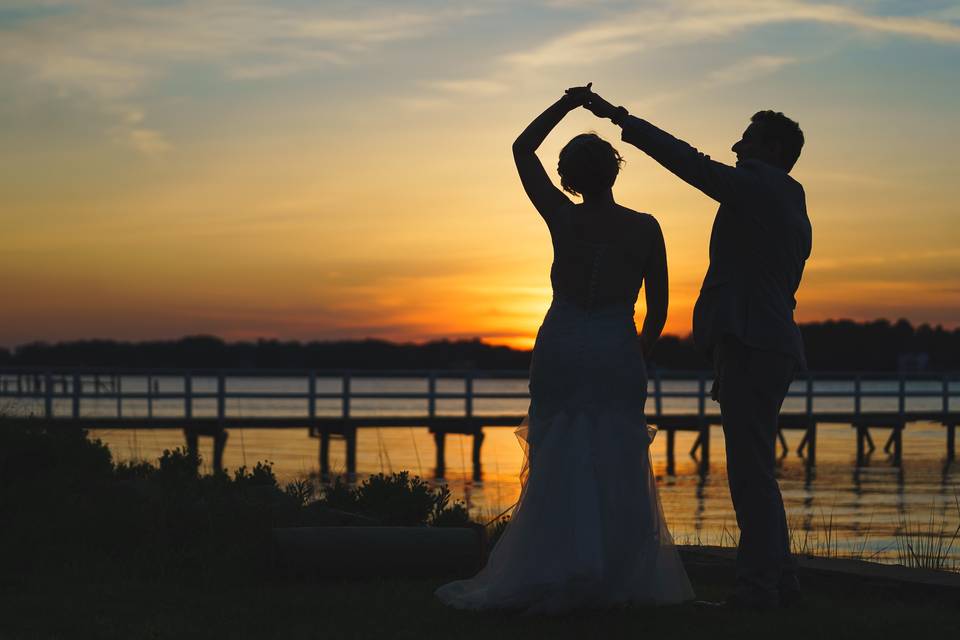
(831, 345)
(211, 352)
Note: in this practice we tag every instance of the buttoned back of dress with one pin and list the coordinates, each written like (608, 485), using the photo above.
(599, 258)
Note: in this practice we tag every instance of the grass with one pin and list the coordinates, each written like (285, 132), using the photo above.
(826, 541)
(837, 607)
(929, 545)
(822, 542)
(918, 545)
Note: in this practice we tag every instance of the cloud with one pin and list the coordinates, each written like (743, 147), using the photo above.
(286, 66)
(130, 130)
(746, 70)
(475, 87)
(146, 141)
(922, 28)
(740, 72)
(418, 104)
(885, 259)
(110, 53)
(676, 23)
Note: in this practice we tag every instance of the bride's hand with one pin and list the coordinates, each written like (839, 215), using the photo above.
(577, 96)
(646, 347)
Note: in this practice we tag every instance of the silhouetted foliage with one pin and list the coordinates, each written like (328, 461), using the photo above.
(845, 345)
(497, 530)
(878, 345)
(209, 352)
(830, 345)
(65, 504)
(396, 500)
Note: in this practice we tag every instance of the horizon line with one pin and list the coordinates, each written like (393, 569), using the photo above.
(487, 340)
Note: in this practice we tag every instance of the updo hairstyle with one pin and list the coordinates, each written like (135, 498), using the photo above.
(588, 164)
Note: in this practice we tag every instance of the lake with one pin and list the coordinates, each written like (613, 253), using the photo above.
(836, 508)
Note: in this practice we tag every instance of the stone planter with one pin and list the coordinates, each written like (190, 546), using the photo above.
(380, 551)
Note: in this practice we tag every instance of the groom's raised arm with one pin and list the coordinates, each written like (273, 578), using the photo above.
(721, 182)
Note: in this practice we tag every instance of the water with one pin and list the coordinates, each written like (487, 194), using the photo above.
(836, 508)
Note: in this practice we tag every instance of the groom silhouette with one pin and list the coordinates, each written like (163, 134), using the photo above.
(743, 320)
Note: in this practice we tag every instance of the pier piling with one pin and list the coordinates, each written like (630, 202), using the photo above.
(897, 444)
(219, 435)
(705, 449)
(219, 445)
(477, 443)
(350, 435)
(325, 455)
(193, 444)
(671, 456)
(811, 439)
(861, 456)
(440, 441)
(951, 442)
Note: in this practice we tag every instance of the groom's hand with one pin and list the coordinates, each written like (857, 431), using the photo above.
(600, 107)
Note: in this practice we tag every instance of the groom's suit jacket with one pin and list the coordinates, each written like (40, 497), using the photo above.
(760, 241)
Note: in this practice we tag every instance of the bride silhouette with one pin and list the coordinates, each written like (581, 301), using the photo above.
(588, 530)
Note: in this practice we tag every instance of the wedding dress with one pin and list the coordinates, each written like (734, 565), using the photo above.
(588, 530)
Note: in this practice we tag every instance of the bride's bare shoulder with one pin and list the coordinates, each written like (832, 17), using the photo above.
(640, 221)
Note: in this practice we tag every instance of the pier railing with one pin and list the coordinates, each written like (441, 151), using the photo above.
(76, 385)
(337, 402)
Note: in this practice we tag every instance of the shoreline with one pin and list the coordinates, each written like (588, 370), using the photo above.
(875, 572)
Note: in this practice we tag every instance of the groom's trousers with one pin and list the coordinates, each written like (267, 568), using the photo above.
(751, 386)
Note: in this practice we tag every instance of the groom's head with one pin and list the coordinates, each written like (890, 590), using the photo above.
(771, 137)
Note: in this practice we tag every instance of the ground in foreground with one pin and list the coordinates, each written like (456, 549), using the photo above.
(836, 606)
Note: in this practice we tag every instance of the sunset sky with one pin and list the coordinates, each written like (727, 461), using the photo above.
(325, 170)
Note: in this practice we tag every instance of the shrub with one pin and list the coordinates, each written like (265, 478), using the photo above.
(446, 515)
(340, 495)
(261, 476)
(397, 499)
(301, 491)
(74, 512)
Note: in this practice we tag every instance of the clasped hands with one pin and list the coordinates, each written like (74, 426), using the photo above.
(584, 97)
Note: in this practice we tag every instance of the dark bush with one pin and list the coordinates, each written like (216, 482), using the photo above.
(69, 510)
(396, 500)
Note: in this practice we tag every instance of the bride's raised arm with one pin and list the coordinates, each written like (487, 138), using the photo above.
(544, 195)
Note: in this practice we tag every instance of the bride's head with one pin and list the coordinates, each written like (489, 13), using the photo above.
(588, 165)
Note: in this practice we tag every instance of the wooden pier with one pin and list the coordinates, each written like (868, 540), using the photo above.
(677, 401)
